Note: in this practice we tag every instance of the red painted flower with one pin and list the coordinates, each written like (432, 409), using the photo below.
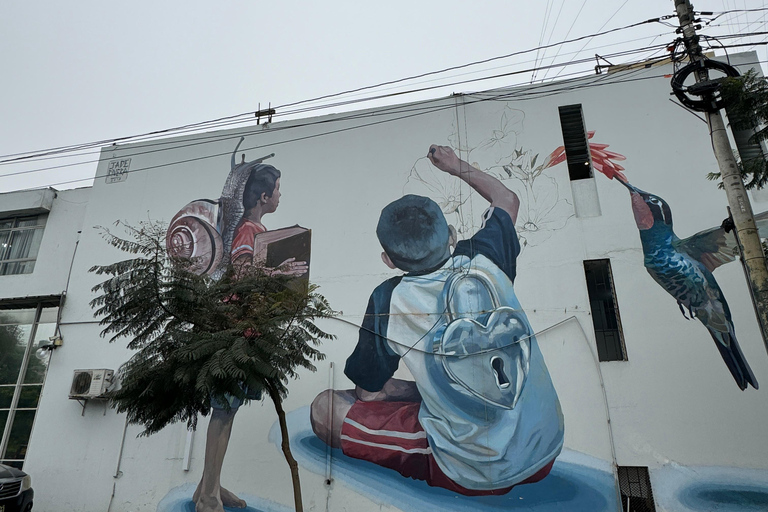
(602, 159)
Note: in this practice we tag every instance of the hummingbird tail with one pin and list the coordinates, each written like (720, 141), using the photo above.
(734, 359)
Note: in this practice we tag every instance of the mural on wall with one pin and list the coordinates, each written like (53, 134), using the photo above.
(543, 210)
(215, 234)
(684, 269)
(481, 415)
(501, 154)
(481, 420)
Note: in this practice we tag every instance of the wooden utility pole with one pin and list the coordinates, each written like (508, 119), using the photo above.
(741, 209)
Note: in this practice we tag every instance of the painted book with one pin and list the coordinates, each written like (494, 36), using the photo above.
(277, 246)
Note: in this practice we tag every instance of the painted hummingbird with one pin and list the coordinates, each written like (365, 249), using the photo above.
(684, 269)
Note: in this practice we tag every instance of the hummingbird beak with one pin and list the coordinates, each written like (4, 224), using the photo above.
(631, 187)
(641, 211)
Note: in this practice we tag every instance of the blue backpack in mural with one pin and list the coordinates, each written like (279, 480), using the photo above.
(482, 347)
(204, 229)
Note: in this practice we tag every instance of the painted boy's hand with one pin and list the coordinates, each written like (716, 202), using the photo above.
(444, 159)
(291, 267)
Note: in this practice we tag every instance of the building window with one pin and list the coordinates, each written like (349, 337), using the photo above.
(605, 311)
(19, 242)
(22, 374)
(635, 485)
(576, 142)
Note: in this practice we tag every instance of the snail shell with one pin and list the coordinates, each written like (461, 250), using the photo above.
(192, 235)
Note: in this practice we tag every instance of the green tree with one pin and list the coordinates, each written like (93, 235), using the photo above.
(746, 99)
(198, 339)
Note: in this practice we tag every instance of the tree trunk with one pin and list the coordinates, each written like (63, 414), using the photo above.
(286, 447)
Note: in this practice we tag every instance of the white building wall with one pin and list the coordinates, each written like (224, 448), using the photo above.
(64, 210)
(672, 404)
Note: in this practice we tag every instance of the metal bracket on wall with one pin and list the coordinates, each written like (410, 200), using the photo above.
(84, 402)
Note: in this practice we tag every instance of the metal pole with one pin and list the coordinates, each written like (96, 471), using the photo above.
(743, 218)
(328, 452)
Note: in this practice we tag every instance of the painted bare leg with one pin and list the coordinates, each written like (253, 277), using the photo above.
(210, 496)
(328, 412)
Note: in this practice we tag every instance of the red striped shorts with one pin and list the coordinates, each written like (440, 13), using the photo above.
(389, 434)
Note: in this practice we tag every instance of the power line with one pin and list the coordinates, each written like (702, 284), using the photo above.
(511, 95)
(601, 28)
(113, 140)
(720, 13)
(516, 94)
(484, 61)
(163, 140)
(202, 125)
(236, 119)
(566, 36)
(343, 103)
(219, 137)
(551, 34)
(547, 10)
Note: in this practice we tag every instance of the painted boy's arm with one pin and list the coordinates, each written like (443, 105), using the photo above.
(493, 190)
(394, 390)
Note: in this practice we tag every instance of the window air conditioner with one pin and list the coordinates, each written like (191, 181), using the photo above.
(88, 384)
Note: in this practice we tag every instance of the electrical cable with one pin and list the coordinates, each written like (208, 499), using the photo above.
(547, 10)
(760, 43)
(552, 33)
(219, 137)
(484, 61)
(570, 88)
(419, 111)
(706, 38)
(176, 147)
(163, 140)
(601, 28)
(203, 124)
(231, 118)
(113, 140)
(566, 36)
(722, 13)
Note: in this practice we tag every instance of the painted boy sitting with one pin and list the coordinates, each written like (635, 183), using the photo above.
(438, 428)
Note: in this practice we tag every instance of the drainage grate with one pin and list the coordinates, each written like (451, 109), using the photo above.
(636, 494)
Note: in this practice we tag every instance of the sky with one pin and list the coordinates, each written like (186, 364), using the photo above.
(77, 72)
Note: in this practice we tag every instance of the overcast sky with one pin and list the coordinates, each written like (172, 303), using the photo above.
(75, 72)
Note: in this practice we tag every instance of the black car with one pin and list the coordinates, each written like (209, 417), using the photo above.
(15, 490)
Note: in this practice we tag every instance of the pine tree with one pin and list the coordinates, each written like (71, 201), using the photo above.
(196, 338)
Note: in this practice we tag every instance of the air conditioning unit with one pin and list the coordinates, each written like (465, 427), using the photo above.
(88, 384)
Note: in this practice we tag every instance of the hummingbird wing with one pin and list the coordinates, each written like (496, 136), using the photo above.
(714, 247)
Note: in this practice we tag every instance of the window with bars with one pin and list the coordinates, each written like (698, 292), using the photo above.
(19, 242)
(605, 311)
(22, 374)
(636, 493)
(576, 142)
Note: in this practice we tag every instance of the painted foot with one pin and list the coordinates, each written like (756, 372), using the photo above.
(208, 504)
(230, 500)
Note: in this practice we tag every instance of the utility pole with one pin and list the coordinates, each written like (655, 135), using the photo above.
(741, 209)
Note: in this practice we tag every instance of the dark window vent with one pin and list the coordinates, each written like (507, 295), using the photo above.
(576, 142)
(605, 310)
(635, 485)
